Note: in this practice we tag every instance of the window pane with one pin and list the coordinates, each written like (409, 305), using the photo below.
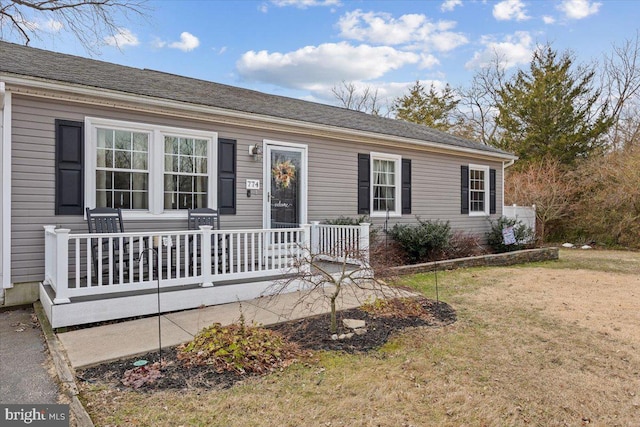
(185, 184)
(186, 164)
(122, 199)
(101, 161)
(122, 180)
(170, 183)
(200, 184)
(140, 161)
(103, 180)
(105, 138)
(170, 201)
(200, 200)
(201, 148)
(201, 165)
(186, 146)
(140, 200)
(103, 199)
(140, 181)
(122, 160)
(122, 140)
(170, 145)
(140, 141)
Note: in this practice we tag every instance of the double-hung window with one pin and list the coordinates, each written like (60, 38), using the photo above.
(148, 169)
(478, 190)
(385, 184)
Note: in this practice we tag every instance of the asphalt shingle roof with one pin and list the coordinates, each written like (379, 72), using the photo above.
(27, 61)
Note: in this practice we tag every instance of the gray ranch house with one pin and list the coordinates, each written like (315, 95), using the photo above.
(78, 133)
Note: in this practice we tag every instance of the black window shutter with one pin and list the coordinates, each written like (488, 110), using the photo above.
(364, 192)
(464, 189)
(69, 199)
(406, 186)
(226, 176)
(492, 191)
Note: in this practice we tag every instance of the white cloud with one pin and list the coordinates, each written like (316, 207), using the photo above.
(122, 38)
(578, 9)
(303, 4)
(222, 50)
(449, 5)
(314, 66)
(513, 50)
(382, 28)
(53, 26)
(428, 61)
(187, 42)
(508, 10)
(548, 19)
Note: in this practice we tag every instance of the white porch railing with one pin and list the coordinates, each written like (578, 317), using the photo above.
(90, 264)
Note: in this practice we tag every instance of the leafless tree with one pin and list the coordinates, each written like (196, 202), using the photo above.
(477, 108)
(90, 21)
(621, 87)
(544, 184)
(360, 99)
(326, 275)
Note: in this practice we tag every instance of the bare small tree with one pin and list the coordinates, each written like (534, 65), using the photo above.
(324, 275)
(359, 99)
(88, 20)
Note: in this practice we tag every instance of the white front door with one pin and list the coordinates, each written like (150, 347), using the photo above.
(285, 185)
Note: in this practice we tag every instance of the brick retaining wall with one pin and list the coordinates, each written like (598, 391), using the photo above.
(508, 258)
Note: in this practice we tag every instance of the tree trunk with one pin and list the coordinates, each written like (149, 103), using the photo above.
(334, 321)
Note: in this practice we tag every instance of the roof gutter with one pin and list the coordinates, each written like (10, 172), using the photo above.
(231, 114)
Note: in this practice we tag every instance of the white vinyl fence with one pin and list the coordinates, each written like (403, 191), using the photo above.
(524, 214)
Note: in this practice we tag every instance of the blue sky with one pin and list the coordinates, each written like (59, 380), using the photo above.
(303, 48)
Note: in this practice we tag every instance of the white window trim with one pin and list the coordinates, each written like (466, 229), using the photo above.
(485, 169)
(397, 213)
(156, 165)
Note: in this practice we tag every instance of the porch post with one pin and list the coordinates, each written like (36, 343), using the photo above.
(49, 253)
(61, 267)
(305, 264)
(364, 241)
(314, 247)
(205, 259)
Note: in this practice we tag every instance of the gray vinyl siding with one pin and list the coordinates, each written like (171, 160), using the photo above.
(332, 178)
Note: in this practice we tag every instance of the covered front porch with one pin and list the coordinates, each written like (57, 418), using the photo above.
(94, 277)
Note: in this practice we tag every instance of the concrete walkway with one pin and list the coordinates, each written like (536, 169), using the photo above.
(26, 372)
(90, 346)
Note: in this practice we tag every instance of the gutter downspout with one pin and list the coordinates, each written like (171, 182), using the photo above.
(5, 189)
(504, 166)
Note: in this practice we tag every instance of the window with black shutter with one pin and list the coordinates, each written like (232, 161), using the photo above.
(464, 189)
(69, 172)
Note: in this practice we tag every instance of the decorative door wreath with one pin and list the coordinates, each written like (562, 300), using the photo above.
(284, 173)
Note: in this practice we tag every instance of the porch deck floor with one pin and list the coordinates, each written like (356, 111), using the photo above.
(91, 346)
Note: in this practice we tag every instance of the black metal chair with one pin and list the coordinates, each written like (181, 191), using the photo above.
(107, 220)
(206, 216)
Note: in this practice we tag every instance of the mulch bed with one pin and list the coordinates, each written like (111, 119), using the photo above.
(310, 333)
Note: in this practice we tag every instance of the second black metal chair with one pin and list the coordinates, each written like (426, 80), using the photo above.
(207, 216)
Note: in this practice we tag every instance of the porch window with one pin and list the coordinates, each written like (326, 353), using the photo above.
(147, 169)
(122, 172)
(385, 184)
(186, 176)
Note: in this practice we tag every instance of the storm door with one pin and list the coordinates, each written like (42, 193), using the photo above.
(285, 188)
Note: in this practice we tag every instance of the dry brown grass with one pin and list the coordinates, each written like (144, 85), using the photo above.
(516, 356)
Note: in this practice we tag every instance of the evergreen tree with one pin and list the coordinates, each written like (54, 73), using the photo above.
(552, 111)
(430, 108)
